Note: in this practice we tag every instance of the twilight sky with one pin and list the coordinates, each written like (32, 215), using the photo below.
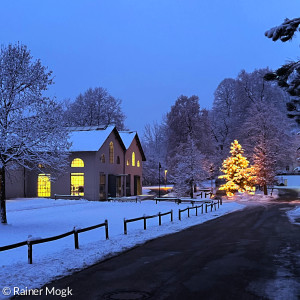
(148, 52)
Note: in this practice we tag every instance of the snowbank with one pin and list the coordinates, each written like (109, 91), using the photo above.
(45, 217)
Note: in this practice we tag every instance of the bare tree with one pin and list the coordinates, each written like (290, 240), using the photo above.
(31, 131)
(95, 107)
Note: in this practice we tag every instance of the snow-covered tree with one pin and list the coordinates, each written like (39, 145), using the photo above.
(31, 132)
(188, 167)
(287, 76)
(239, 176)
(95, 107)
(264, 160)
(155, 147)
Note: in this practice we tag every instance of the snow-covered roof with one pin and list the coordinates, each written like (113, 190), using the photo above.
(89, 140)
(127, 137)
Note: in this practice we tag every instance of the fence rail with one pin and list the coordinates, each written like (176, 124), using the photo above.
(35, 241)
(144, 218)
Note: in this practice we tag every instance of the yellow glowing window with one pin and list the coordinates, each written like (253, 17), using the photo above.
(133, 159)
(111, 152)
(44, 185)
(102, 158)
(77, 163)
(138, 164)
(77, 184)
(127, 163)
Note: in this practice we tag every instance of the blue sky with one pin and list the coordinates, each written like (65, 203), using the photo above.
(148, 52)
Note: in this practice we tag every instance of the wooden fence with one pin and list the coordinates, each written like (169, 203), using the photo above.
(214, 204)
(75, 232)
(159, 215)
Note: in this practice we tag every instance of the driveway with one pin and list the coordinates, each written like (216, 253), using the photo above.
(249, 254)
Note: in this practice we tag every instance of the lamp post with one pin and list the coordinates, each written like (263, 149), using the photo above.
(159, 167)
(166, 171)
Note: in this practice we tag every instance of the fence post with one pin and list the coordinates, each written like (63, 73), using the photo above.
(171, 215)
(76, 238)
(218, 203)
(29, 252)
(188, 212)
(179, 213)
(145, 225)
(196, 210)
(215, 205)
(159, 219)
(206, 207)
(106, 229)
(211, 207)
(221, 201)
(202, 208)
(156, 201)
(125, 226)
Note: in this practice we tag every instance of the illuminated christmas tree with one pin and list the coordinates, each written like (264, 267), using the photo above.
(237, 172)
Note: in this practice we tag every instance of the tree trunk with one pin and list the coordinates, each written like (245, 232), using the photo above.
(3, 197)
(265, 190)
(192, 190)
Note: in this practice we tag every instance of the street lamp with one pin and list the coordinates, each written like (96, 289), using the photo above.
(166, 171)
(159, 167)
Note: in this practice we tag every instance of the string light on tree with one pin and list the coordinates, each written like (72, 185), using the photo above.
(237, 172)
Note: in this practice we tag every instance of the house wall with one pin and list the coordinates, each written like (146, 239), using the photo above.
(14, 183)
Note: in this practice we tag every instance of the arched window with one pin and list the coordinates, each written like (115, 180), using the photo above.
(138, 164)
(111, 152)
(127, 163)
(77, 163)
(133, 159)
(102, 158)
(118, 160)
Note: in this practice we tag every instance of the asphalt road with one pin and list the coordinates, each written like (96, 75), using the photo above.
(250, 254)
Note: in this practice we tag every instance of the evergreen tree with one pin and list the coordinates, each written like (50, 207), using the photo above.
(237, 172)
(264, 165)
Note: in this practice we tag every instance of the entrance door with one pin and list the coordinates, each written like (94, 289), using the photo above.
(111, 185)
(44, 185)
(118, 186)
(137, 185)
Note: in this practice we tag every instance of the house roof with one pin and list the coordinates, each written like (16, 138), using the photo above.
(88, 138)
(127, 138)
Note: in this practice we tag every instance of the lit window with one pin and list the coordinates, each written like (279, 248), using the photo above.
(133, 159)
(41, 166)
(44, 185)
(77, 184)
(102, 158)
(138, 164)
(77, 163)
(127, 163)
(111, 152)
(118, 160)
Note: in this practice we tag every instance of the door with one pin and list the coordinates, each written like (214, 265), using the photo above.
(77, 184)
(137, 185)
(111, 185)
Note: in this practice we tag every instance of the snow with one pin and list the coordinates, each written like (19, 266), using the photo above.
(292, 180)
(127, 137)
(88, 140)
(294, 215)
(47, 217)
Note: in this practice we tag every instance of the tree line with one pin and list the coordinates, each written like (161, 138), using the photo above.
(191, 143)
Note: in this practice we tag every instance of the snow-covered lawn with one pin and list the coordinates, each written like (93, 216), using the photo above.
(46, 218)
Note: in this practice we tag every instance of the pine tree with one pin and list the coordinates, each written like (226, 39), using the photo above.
(264, 165)
(237, 172)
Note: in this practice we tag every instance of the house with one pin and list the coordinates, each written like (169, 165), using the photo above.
(102, 163)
